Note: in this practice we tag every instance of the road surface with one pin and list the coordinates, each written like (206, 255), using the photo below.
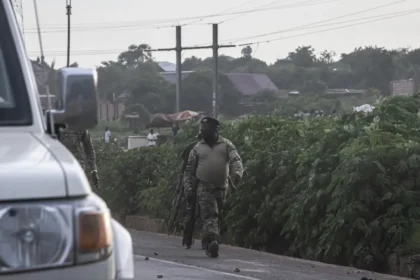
(168, 260)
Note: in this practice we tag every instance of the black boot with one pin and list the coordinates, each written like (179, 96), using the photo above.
(213, 249)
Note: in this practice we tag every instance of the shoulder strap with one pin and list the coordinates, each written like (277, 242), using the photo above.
(227, 152)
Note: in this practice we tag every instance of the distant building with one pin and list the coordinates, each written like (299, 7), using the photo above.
(251, 84)
(247, 84)
(403, 87)
(167, 66)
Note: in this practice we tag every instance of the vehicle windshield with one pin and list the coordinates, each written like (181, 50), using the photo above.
(14, 102)
(6, 97)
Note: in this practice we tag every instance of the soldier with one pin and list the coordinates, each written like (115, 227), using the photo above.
(72, 139)
(179, 204)
(212, 160)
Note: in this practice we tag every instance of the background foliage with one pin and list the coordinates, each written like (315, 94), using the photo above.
(342, 190)
(135, 75)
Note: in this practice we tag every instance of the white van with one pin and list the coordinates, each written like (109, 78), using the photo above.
(52, 226)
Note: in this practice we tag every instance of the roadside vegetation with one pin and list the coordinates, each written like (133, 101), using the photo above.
(343, 190)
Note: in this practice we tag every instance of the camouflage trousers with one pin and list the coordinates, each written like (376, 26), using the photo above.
(211, 200)
(94, 185)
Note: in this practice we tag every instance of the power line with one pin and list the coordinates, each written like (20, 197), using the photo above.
(125, 27)
(227, 10)
(122, 25)
(323, 25)
(384, 17)
(309, 25)
(325, 30)
(262, 6)
(318, 22)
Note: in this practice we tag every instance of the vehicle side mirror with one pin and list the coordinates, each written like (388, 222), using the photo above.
(78, 102)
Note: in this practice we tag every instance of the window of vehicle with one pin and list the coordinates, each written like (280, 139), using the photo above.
(6, 96)
(15, 106)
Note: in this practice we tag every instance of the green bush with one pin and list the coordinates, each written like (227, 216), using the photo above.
(127, 177)
(342, 191)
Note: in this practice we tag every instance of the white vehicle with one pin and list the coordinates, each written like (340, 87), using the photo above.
(52, 226)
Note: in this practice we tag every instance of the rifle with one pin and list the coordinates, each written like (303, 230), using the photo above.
(187, 239)
(179, 193)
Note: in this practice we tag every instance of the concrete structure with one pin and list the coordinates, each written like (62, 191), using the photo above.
(403, 87)
(109, 111)
(136, 142)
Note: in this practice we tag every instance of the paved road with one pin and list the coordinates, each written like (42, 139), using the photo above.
(168, 259)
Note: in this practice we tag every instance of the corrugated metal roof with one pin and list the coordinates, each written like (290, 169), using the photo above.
(251, 84)
(245, 83)
(167, 66)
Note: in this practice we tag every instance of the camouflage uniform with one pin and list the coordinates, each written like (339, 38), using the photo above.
(185, 157)
(211, 197)
(72, 140)
(183, 211)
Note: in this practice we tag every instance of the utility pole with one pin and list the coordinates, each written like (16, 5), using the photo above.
(38, 26)
(178, 50)
(215, 46)
(68, 8)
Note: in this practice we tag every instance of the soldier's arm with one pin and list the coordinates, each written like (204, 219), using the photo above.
(190, 169)
(89, 151)
(186, 154)
(235, 162)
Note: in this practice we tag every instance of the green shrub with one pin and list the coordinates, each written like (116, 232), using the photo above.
(342, 191)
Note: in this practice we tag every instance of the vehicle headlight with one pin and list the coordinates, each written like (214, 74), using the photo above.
(51, 234)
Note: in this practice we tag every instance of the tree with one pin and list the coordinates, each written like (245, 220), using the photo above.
(142, 112)
(135, 72)
(191, 63)
(303, 56)
(197, 93)
(246, 52)
(147, 87)
(135, 54)
(110, 79)
(373, 67)
(327, 57)
(314, 86)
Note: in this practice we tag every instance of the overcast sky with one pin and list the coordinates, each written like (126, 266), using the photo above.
(104, 28)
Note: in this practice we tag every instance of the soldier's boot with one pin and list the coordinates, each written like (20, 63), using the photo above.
(213, 249)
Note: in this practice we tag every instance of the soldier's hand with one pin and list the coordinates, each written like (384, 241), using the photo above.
(95, 179)
(236, 179)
